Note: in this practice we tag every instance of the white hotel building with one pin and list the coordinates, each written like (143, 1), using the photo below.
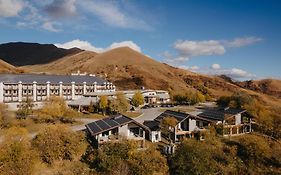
(15, 88)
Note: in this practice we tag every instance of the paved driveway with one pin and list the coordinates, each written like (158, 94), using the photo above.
(148, 114)
(82, 126)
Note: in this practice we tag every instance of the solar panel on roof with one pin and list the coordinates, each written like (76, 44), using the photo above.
(94, 128)
(110, 122)
(122, 120)
(102, 125)
(177, 115)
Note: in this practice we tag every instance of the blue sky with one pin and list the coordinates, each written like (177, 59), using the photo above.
(239, 38)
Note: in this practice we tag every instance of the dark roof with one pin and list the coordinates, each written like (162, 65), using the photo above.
(41, 78)
(180, 116)
(152, 125)
(219, 114)
(109, 123)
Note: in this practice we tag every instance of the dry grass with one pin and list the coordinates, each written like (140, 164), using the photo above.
(92, 116)
(132, 114)
(8, 68)
(129, 69)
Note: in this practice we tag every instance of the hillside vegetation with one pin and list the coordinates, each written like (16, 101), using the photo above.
(266, 86)
(129, 69)
(8, 68)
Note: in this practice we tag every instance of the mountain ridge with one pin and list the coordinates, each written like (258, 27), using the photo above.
(129, 69)
(22, 53)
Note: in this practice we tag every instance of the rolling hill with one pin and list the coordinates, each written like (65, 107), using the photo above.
(127, 69)
(20, 53)
(266, 86)
(7, 68)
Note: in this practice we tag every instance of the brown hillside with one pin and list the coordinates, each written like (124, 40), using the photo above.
(129, 69)
(7, 68)
(266, 86)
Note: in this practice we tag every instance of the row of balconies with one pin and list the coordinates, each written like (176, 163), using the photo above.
(43, 87)
(10, 99)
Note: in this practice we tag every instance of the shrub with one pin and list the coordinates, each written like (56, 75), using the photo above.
(56, 110)
(147, 162)
(137, 99)
(5, 116)
(16, 155)
(124, 158)
(58, 143)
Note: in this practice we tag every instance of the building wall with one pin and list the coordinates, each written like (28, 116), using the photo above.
(238, 119)
(192, 125)
(1, 92)
(123, 130)
(152, 136)
(15, 93)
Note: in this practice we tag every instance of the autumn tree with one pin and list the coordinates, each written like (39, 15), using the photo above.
(5, 116)
(124, 158)
(56, 110)
(66, 167)
(191, 97)
(25, 108)
(168, 125)
(103, 103)
(137, 99)
(209, 157)
(110, 157)
(58, 143)
(16, 155)
(236, 100)
(120, 104)
(91, 107)
(146, 162)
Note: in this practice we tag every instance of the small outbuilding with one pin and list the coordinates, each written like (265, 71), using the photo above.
(154, 134)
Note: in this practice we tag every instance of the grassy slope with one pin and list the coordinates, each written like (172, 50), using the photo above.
(7, 68)
(129, 69)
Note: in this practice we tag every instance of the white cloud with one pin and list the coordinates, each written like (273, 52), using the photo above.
(197, 48)
(215, 66)
(85, 45)
(130, 44)
(51, 26)
(239, 73)
(10, 8)
(239, 42)
(194, 68)
(234, 73)
(30, 14)
(186, 49)
(61, 8)
(110, 13)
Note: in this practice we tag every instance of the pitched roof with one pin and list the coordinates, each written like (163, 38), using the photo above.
(41, 78)
(180, 116)
(152, 125)
(85, 101)
(219, 114)
(109, 123)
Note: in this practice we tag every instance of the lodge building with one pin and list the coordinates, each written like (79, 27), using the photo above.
(15, 88)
